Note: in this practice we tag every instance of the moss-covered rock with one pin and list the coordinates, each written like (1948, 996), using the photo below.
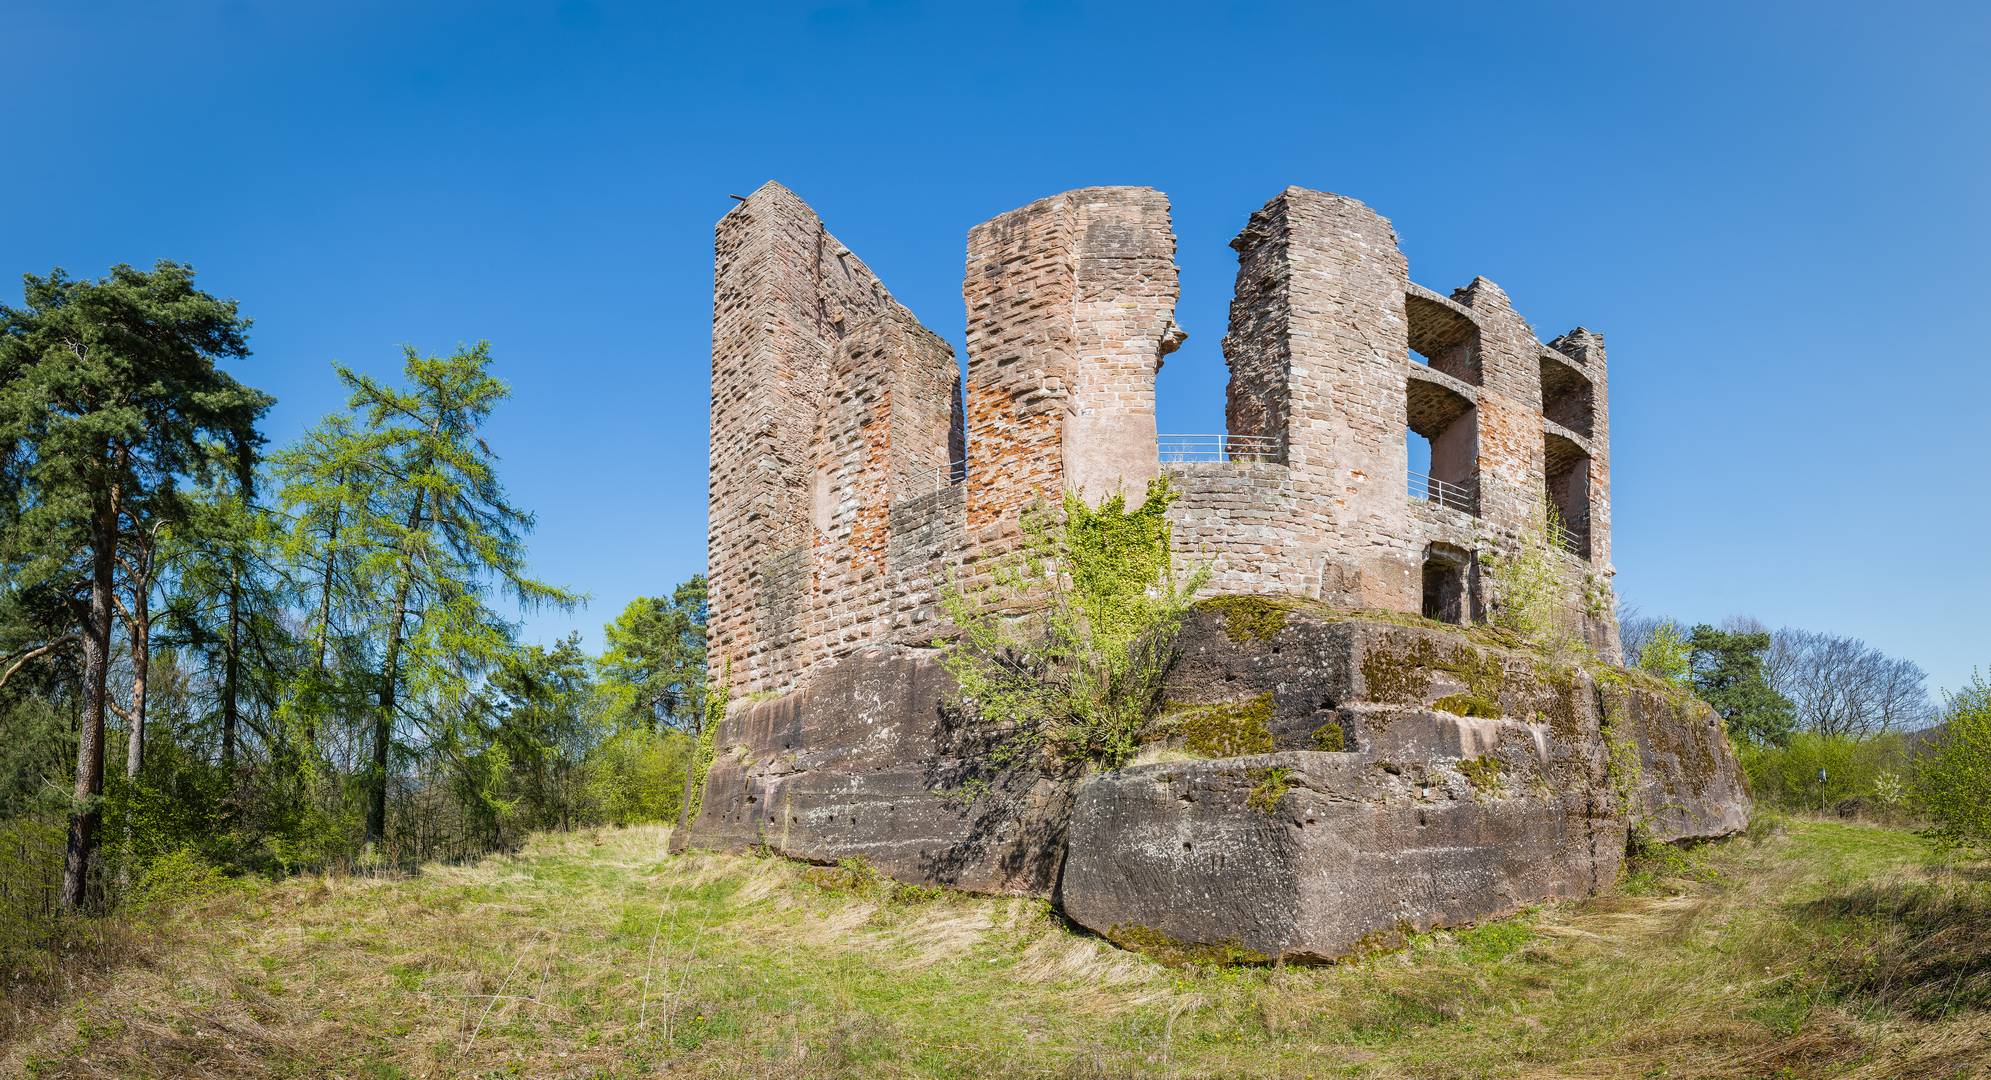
(1398, 670)
(1468, 705)
(1249, 618)
(1158, 946)
(1224, 729)
(1483, 773)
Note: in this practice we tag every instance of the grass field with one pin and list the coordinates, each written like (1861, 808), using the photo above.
(1808, 948)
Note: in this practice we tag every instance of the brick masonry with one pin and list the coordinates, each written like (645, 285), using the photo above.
(838, 507)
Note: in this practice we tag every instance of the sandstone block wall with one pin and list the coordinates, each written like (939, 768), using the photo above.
(850, 478)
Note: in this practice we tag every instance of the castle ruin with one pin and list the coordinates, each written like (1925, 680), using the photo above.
(851, 475)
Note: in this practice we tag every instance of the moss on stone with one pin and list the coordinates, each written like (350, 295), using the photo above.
(1329, 738)
(1268, 787)
(1225, 729)
(1381, 940)
(1484, 675)
(1159, 946)
(1557, 701)
(1483, 773)
(1469, 705)
(1396, 671)
(1248, 618)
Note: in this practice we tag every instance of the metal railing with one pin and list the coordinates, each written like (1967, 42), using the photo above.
(1194, 448)
(1445, 493)
(1568, 539)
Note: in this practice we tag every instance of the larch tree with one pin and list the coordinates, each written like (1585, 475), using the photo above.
(425, 536)
(109, 394)
(324, 480)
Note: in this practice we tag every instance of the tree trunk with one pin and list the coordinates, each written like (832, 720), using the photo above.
(324, 620)
(383, 723)
(86, 814)
(231, 668)
(141, 666)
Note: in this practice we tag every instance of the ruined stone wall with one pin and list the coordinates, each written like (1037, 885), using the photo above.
(1242, 520)
(885, 433)
(837, 514)
(785, 296)
(1315, 333)
(1586, 348)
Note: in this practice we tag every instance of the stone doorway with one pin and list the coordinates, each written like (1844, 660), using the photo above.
(1447, 585)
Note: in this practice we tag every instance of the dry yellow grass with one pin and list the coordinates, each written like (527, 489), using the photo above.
(597, 954)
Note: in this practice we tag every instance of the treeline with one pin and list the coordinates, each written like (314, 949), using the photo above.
(248, 660)
(1826, 723)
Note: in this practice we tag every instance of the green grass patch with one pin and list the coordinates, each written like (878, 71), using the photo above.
(1267, 788)
(1806, 948)
(1483, 773)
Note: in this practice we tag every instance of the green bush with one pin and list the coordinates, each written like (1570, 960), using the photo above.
(1667, 654)
(1530, 588)
(1953, 782)
(1855, 769)
(637, 775)
(1083, 678)
(31, 848)
(174, 876)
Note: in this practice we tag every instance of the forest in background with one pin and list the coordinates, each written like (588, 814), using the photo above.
(219, 657)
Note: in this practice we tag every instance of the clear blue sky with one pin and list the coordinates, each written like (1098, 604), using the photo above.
(1777, 213)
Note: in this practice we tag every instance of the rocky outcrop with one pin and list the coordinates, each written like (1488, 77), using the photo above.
(1320, 780)
(868, 761)
(1308, 855)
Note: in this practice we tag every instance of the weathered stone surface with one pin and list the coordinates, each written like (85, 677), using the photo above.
(1305, 855)
(866, 762)
(1690, 787)
(1425, 815)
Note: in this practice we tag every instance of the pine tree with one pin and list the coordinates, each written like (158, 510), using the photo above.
(109, 394)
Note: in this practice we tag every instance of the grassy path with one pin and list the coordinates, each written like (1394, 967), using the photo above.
(1802, 950)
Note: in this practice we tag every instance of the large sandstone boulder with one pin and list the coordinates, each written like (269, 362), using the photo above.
(868, 761)
(1308, 855)
(1320, 780)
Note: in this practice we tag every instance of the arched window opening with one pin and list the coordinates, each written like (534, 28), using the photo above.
(1567, 397)
(1567, 470)
(1442, 338)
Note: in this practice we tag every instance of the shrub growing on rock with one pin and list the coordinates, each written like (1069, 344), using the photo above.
(1083, 676)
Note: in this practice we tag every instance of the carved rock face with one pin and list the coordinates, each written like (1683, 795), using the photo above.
(1320, 782)
(1308, 855)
